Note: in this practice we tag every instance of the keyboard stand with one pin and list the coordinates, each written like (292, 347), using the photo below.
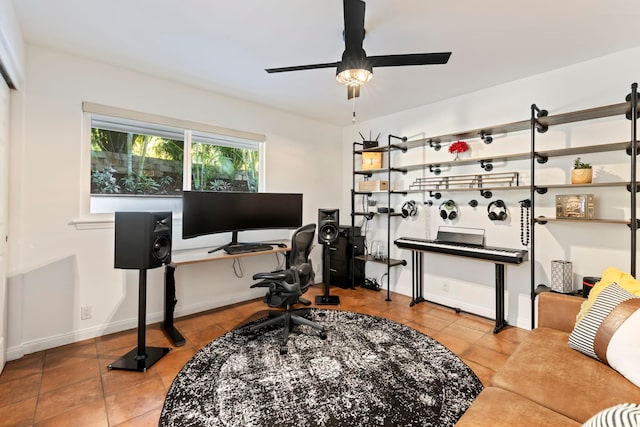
(417, 285)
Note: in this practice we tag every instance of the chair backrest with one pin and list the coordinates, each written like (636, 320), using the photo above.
(301, 245)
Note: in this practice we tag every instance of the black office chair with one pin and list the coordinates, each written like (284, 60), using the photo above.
(287, 286)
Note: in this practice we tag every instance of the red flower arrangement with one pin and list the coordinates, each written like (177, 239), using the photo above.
(458, 147)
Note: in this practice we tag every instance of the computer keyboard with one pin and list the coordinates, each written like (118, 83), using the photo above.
(246, 248)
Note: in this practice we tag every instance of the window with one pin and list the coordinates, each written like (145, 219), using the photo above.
(142, 164)
(221, 165)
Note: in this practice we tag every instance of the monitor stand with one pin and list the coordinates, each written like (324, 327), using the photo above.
(233, 242)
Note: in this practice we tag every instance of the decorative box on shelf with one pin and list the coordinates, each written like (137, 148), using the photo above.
(373, 185)
(371, 160)
(575, 206)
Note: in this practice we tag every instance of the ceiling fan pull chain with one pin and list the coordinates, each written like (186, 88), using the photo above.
(353, 119)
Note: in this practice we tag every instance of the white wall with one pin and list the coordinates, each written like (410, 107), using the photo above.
(591, 248)
(56, 268)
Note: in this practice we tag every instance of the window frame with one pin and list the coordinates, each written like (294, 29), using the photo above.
(225, 136)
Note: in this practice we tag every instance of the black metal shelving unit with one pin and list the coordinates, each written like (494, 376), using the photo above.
(539, 123)
(358, 149)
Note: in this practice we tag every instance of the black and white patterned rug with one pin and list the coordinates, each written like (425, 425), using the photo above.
(368, 372)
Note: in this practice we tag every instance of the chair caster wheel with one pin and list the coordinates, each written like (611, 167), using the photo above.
(284, 349)
(323, 335)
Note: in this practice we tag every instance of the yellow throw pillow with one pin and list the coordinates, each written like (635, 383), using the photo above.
(609, 276)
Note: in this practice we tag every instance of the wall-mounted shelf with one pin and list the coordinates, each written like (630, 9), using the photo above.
(446, 190)
(474, 133)
(601, 148)
(543, 154)
(583, 115)
(543, 220)
(591, 185)
(392, 262)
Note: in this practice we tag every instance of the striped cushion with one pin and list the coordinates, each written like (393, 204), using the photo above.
(623, 415)
(608, 332)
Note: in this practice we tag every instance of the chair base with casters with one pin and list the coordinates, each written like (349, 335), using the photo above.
(284, 291)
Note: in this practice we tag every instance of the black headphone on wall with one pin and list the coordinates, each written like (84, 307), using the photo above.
(449, 210)
(409, 209)
(497, 211)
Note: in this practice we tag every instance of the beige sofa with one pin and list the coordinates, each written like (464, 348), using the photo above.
(545, 382)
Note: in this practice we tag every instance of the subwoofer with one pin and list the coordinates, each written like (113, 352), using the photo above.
(328, 225)
(142, 240)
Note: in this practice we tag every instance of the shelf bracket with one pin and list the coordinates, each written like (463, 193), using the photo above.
(541, 158)
(435, 169)
(637, 188)
(540, 220)
(435, 195)
(487, 165)
(540, 127)
(541, 190)
(539, 112)
(637, 224)
(628, 151)
(628, 113)
(486, 194)
(435, 145)
(402, 170)
(486, 137)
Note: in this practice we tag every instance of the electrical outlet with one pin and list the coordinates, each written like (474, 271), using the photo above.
(445, 286)
(86, 312)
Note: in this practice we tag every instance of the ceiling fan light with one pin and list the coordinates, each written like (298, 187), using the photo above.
(354, 76)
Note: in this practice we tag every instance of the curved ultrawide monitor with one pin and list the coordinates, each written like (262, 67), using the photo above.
(209, 212)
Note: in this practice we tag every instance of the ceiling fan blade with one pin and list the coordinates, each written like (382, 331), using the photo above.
(410, 59)
(353, 24)
(301, 67)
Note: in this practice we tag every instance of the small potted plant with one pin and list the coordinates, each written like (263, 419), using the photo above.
(582, 173)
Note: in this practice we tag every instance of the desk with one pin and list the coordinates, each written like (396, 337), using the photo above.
(193, 256)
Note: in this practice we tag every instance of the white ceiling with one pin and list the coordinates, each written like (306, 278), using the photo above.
(225, 45)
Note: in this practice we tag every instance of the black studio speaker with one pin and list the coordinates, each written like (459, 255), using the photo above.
(142, 240)
(328, 225)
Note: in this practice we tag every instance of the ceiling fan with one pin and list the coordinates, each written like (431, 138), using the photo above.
(356, 68)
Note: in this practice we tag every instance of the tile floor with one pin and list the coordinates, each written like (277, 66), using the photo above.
(72, 386)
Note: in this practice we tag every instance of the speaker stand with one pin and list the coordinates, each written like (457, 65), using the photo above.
(327, 299)
(141, 358)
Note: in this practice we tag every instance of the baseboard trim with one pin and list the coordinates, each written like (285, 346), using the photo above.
(45, 343)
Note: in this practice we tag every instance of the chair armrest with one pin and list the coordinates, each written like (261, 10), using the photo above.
(263, 284)
(276, 275)
(558, 311)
